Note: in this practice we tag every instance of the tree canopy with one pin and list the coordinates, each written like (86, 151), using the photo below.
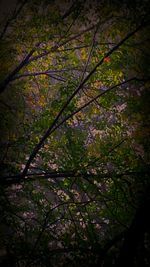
(74, 112)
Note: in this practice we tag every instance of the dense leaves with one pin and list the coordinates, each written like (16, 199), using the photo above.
(75, 134)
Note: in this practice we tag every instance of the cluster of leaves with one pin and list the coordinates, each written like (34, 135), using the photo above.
(74, 146)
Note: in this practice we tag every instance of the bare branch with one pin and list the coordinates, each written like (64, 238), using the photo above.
(34, 74)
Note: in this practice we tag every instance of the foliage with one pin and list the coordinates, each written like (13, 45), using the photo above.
(75, 134)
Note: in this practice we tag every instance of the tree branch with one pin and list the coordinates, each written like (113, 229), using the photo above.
(16, 179)
(14, 16)
(48, 132)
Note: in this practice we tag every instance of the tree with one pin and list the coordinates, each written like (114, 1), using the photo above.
(74, 113)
